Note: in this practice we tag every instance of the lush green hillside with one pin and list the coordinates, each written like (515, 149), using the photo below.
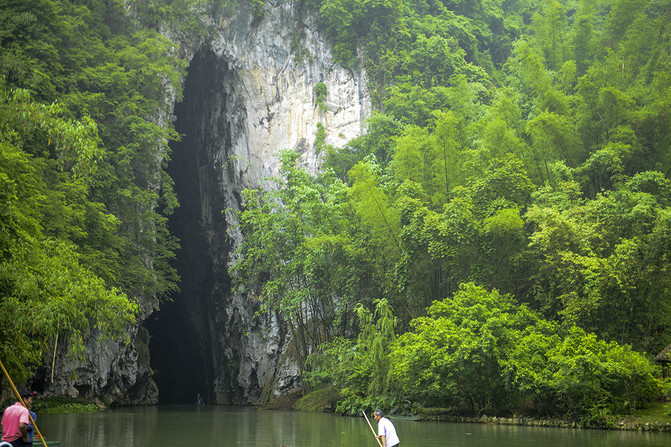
(497, 241)
(517, 168)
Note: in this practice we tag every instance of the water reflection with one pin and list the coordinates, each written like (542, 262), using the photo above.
(211, 426)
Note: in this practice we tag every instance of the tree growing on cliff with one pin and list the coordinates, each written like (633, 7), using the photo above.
(85, 187)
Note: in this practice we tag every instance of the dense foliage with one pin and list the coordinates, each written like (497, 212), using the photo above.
(509, 201)
(497, 240)
(83, 190)
(482, 353)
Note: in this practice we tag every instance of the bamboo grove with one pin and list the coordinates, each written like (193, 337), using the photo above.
(497, 241)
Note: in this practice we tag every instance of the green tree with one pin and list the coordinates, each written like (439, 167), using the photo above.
(358, 368)
(481, 352)
(583, 38)
(552, 138)
(372, 205)
(574, 374)
(300, 255)
(453, 357)
(601, 256)
(48, 291)
(550, 30)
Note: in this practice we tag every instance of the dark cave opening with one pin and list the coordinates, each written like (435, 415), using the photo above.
(183, 341)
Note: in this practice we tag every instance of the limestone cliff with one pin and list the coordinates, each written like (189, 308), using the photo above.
(248, 94)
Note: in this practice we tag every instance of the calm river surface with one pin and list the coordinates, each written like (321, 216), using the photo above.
(211, 426)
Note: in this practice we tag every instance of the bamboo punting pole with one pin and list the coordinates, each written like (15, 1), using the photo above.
(371, 429)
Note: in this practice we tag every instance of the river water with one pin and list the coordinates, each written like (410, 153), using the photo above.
(211, 426)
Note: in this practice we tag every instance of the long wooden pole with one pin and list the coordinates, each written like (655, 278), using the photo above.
(18, 395)
(371, 429)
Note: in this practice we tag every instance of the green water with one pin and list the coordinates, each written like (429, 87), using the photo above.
(211, 426)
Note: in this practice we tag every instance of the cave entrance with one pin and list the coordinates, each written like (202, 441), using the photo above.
(183, 344)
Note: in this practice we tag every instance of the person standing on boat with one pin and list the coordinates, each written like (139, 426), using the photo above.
(30, 429)
(15, 421)
(385, 430)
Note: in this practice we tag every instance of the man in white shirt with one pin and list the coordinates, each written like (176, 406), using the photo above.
(385, 430)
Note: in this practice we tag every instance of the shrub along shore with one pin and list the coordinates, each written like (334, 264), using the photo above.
(609, 424)
(654, 419)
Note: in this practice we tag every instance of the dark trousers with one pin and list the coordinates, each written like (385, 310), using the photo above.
(19, 443)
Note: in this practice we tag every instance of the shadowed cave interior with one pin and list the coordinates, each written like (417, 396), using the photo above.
(182, 349)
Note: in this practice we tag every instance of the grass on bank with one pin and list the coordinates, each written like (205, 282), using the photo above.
(58, 405)
(657, 412)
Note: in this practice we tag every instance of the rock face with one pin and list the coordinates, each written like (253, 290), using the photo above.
(111, 374)
(249, 94)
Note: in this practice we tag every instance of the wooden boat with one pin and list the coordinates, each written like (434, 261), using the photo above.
(405, 418)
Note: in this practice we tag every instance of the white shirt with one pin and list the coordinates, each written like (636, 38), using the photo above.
(386, 428)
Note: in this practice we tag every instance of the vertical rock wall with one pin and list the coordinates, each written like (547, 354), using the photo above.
(248, 95)
(267, 105)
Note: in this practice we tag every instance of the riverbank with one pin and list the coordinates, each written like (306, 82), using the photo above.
(653, 419)
(630, 423)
